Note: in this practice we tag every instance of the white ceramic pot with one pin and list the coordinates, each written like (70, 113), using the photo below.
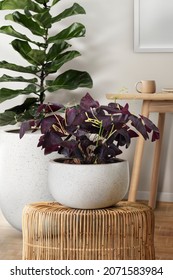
(23, 174)
(88, 186)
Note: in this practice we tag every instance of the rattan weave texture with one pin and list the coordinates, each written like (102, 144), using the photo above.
(55, 232)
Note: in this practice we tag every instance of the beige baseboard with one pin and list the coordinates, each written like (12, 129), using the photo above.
(161, 196)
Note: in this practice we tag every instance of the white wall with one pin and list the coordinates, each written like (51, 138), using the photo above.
(107, 54)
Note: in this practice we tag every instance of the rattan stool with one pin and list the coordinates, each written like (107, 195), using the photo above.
(55, 232)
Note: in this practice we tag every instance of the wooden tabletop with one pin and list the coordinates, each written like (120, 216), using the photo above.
(141, 96)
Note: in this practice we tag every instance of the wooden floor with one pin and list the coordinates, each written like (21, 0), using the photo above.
(11, 239)
(164, 231)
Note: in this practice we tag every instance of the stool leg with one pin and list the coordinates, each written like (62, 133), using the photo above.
(138, 158)
(156, 162)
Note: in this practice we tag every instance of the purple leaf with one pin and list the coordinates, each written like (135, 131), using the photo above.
(122, 138)
(25, 126)
(150, 126)
(137, 123)
(70, 149)
(79, 133)
(47, 123)
(120, 120)
(88, 102)
(107, 153)
(50, 142)
(70, 115)
(71, 144)
(85, 143)
(155, 136)
(89, 132)
(106, 120)
(109, 109)
(125, 109)
(80, 118)
(48, 108)
(132, 133)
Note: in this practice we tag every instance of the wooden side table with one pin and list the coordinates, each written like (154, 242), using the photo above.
(55, 232)
(157, 102)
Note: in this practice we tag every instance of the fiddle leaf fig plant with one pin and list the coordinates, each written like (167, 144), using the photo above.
(44, 54)
(88, 133)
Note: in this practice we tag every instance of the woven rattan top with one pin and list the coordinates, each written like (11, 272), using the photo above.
(121, 232)
(121, 207)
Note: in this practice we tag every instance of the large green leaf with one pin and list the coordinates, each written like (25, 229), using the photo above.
(26, 22)
(71, 80)
(56, 49)
(27, 104)
(19, 113)
(42, 1)
(38, 56)
(18, 68)
(43, 19)
(53, 66)
(73, 31)
(33, 56)
(9, 30)
(20, 4)
(54, 2)
(7, 118)
(76, 9)
(6, 93)
(6, 78)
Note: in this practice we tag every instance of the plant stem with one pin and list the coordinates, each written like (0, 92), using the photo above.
(42, 90)
(111, 132)
(99, 134)
(43, 74)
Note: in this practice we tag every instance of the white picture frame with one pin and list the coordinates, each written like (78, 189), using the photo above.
(153, 25)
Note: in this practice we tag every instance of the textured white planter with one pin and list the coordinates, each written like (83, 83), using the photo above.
(23, 175)
(88, 186)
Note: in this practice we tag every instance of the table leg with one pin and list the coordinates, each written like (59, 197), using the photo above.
(138, 158)
(156, 162)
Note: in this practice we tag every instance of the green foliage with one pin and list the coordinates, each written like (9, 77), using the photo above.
(21, 4)
(44, 53)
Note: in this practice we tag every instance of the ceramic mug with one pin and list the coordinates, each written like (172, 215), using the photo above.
(148, 86)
